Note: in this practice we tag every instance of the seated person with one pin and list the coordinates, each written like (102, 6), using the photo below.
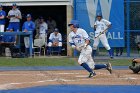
(7, 41)
(55, 40)
(135, 67)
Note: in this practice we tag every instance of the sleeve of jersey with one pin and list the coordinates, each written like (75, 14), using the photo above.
(20, 14)
(60, 38)
(85, 35)
(50, 38)
(9, 13)
(107, 22)
(33, 26)
(70, 40)
(4, 13)
(95, 24)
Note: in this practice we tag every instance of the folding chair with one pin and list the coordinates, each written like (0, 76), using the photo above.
(38, 45)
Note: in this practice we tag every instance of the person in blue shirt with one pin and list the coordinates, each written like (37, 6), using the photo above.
(7, 41)
(28, 26)
(2, 18)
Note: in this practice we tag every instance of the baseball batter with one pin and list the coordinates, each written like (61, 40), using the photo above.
(101, 26)
(79, 40)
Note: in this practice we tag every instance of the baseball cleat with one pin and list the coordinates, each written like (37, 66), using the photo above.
(109, 68)
(91, 74)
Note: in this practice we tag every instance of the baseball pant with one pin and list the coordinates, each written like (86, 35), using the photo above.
(43, 37)
(85, 57)
(103, 40)
(59, 44)
(27, 42)
(15, 26)
(50, 47)
(2, 28)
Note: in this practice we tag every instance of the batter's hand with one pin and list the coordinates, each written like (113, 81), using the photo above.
(85, 46)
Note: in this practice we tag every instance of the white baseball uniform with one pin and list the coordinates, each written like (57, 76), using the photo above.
(42, 31)
(78, 40)
(55, 38)
(100, 27)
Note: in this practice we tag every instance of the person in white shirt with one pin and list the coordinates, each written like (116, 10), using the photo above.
(43, 28)
(101, 26)
(55, 40)
(79, 40)
(15, 16)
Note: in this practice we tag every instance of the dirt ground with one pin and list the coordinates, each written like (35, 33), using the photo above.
(23, 79)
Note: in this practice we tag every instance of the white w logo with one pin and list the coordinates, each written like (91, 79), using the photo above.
(92, 8)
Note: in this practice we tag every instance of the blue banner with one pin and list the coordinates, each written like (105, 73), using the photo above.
(112, 10)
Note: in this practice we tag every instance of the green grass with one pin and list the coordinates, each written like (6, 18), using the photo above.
(121, 62)
(52, 62)
(36, 62)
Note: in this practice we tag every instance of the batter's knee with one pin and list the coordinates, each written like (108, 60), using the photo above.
(107, 47)
(49, 44)
(60, 44)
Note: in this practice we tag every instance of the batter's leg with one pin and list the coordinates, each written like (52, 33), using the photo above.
(84, 65)
(95, 45)
(82, 61)
(100, 66)
(106, 45)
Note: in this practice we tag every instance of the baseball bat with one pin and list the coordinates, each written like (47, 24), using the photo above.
(102, 33)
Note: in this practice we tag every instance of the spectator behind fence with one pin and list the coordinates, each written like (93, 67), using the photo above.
(14, 15)
(55, 40)
(43, 27)
(2, 18)
(119, 51)
(29, 25)
(8, 41)
(51, 25)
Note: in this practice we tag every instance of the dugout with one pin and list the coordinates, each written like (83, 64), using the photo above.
(59, 10)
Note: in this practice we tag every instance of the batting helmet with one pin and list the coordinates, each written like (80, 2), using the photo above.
(99, 15)
(74, 23)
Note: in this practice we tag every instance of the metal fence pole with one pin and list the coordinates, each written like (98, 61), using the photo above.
(128, 28)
